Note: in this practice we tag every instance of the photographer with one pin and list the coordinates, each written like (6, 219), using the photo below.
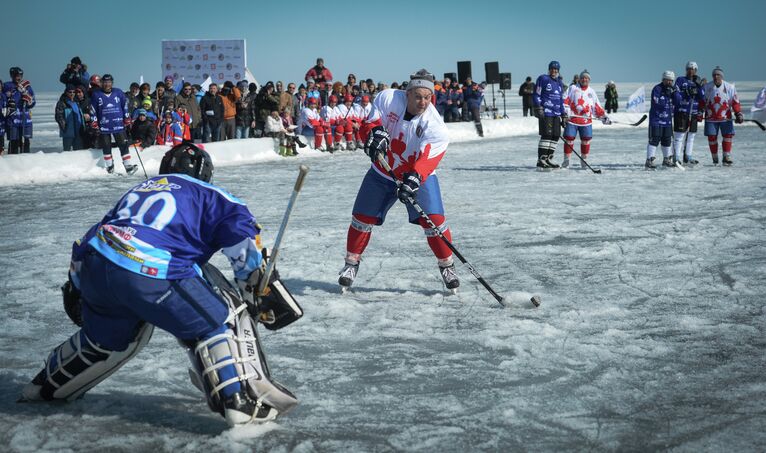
(229, 95)
(211, 107)
(75, 74)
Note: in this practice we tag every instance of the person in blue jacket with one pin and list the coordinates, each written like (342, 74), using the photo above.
(3, 105)
(140, 267)
(472, 96)
(661, 121)
(689, 95)
(110, 117)
(20, 100)
(70, 120)
(454, 103)
(548, 100)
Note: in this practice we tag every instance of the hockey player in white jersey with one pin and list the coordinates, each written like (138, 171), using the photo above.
(406, 130)
(581, 105)
(331, 117)
(347, 122)
(721, 101)
(311, 123)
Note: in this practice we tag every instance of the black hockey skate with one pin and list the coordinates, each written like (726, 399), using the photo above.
(668, 162)
(130, 169)
(240, 409)
(110, 169)
(347, 275)
(727, 162)
(715, 159)
(450, 278)
(649, 165)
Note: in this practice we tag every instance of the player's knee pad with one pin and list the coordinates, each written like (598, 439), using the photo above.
(78, 364)
(237, 347)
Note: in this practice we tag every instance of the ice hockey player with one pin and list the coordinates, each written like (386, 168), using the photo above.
(687, 112)
(311, 123)
(348, 121)
(661, 121)
(110, 117)
(140, 267)
(330, 115)
(581, 106)
(361, 110)
(721, 101)
(549, 110)
(20, 99)
(404, 128)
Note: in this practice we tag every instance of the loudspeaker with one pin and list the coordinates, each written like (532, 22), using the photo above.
(450, 75)
(505, 80)
(463, 71)
(491, 71)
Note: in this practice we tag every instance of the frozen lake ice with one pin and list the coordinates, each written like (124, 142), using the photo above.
(650, 335)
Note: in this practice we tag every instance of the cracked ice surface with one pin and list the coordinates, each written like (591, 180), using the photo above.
(650, 335)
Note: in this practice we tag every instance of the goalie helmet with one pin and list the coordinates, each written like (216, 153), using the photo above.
(188, 159)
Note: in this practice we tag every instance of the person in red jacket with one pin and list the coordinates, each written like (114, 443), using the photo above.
(321, 75)
(170, 131)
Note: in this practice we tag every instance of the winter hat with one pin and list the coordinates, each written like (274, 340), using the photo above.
(668, 75)
(76, 60)
(718, 70)
(140, 112)
(168, 77)
(584, 73)
(147, 101)
(309, 80)
(421, 79)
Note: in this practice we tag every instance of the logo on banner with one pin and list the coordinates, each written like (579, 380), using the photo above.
(220, 57)
(229, 66)
(183, 48)
(213, 47)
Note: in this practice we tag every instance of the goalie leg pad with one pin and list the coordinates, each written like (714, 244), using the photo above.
(78, 364)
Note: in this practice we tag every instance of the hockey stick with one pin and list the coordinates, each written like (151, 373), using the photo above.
(303, 170)
(643, 118)
(594, 170)
(758, 123)
(138, 153)
(412, 202)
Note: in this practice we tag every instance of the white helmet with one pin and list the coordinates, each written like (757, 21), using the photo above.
(691, 65)
(669, 75)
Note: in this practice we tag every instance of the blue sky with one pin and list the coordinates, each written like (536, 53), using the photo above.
(624, 41)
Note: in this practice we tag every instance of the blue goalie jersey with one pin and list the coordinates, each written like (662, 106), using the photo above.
(168, 225)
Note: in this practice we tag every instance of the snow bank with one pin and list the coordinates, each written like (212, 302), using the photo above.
(51, 167)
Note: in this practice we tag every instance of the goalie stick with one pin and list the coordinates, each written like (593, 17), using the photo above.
(303, 170)
(535, 299)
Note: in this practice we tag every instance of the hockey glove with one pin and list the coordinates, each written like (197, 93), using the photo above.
(94, 125)
(72, 302)
(377, 143)
(27, 98)
(408, 189)
(539, 112)
(738, 118)
(668, 91)
(605, 119)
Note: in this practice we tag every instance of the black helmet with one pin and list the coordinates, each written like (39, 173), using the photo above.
(107, 78)
(16, 71)
(188, 159)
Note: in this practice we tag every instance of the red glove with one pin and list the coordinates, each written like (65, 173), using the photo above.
(23, 85)
(27, 98)
(739, 118)
(127, 122)
(94, 124)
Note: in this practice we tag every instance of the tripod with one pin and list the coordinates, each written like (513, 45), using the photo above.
(502, 92)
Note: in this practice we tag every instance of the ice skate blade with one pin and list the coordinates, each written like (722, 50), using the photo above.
(453, 291)
(345, 289)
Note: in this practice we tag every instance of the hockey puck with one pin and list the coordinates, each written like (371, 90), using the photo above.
(535, 301)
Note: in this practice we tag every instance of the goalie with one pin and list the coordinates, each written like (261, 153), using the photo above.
(144, 265)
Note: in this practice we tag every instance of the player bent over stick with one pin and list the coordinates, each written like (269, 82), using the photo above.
(140, 267)
(407, 130)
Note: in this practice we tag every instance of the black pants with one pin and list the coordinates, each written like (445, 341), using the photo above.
(19, 146)
(681, 122)
(527, 105)
(120, 139)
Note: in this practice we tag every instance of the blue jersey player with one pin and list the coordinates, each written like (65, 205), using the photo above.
(548, 99)
(139, 267)
(661, 121)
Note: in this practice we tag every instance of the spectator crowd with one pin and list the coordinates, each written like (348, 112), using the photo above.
(321, 109)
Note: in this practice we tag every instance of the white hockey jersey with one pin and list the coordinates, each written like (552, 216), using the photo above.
(330, 114)
(582, 105)
(417, 144)
(343, 111)
(720, 102)
(309, 119)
